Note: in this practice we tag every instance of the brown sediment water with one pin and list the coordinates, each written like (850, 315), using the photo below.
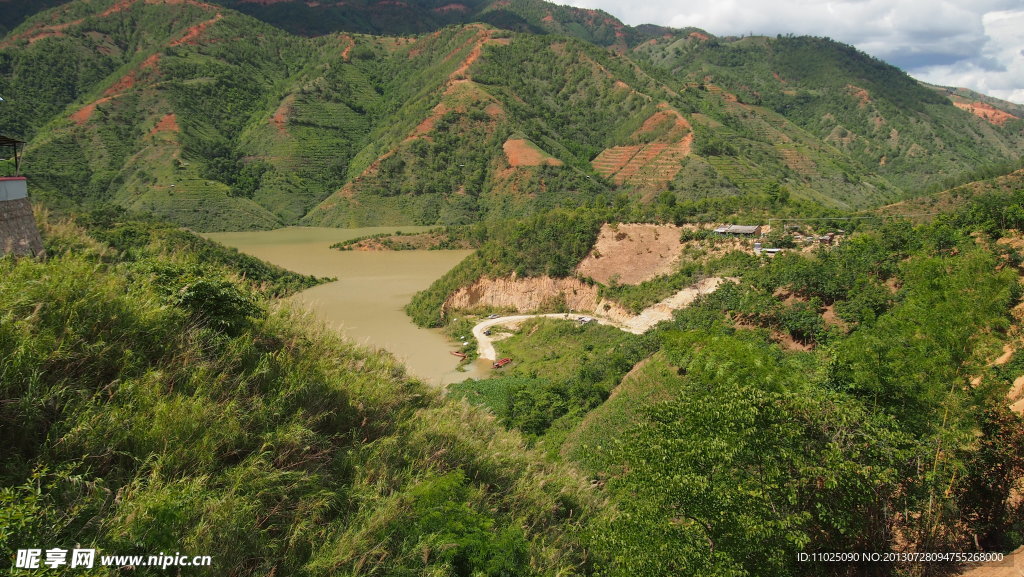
(366, 301)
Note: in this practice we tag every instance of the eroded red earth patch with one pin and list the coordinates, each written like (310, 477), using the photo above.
(986, 112)
(283, 113)
(654, 164)
(169, 123)
(349, 42)
(451, 8)
(521, 152)
(83, 114)
(194, 32)
(125, 83)
(862, 96)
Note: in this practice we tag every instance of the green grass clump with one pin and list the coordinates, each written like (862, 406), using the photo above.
(560, 350)
(136, 239)
(493, 394)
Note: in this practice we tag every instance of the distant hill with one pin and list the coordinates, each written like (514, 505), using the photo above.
(926, 207)
(219, 121)
(963, 98)
(13, 13)
(396, 18)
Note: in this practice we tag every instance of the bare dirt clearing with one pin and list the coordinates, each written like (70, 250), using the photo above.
(521, 152)
(633, 253)
(986, 112)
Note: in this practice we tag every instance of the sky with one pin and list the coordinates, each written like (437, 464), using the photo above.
(976, 44)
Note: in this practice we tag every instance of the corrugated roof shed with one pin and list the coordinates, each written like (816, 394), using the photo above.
(739, 229)
(744, 229)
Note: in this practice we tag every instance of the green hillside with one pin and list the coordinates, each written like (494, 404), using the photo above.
(174, 109)
(858, 396)
(178, 411)
(882, 120)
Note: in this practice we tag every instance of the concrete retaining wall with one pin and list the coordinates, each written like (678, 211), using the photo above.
(18, 232)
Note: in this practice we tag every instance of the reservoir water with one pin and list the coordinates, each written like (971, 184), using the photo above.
(366, 301)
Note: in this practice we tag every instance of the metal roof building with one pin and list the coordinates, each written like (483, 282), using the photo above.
(739, 229)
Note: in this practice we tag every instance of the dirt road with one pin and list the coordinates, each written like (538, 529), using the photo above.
(485, 343)
(637, 324)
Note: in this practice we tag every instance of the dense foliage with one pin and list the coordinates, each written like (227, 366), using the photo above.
(177, 409)
(851, 398)
(557, 384)
(138, 239)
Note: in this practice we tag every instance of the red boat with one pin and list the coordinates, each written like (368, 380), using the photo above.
(501, 363)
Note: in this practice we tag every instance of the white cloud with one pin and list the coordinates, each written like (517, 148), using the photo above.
(977, 44)
(998, 70)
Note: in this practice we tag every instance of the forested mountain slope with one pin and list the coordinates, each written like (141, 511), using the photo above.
(216, 120)
(389, 18)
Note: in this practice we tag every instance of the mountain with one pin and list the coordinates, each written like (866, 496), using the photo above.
(873, 113)
(218, 121)
(926, 207)
(395, 18)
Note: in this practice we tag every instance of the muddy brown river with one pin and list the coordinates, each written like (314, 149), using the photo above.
(366, 301)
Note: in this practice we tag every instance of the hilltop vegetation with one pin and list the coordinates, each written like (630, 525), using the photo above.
(548, 244)
(217, 121)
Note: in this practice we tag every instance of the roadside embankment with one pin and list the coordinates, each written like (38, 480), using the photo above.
(614, 315)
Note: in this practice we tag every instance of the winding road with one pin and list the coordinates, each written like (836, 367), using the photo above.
(485, 343)
(637, 324)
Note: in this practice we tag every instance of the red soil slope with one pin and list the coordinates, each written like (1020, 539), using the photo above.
(169, 123)
(654, 164)
(194, 32)
(986, 112)
(521, 152)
